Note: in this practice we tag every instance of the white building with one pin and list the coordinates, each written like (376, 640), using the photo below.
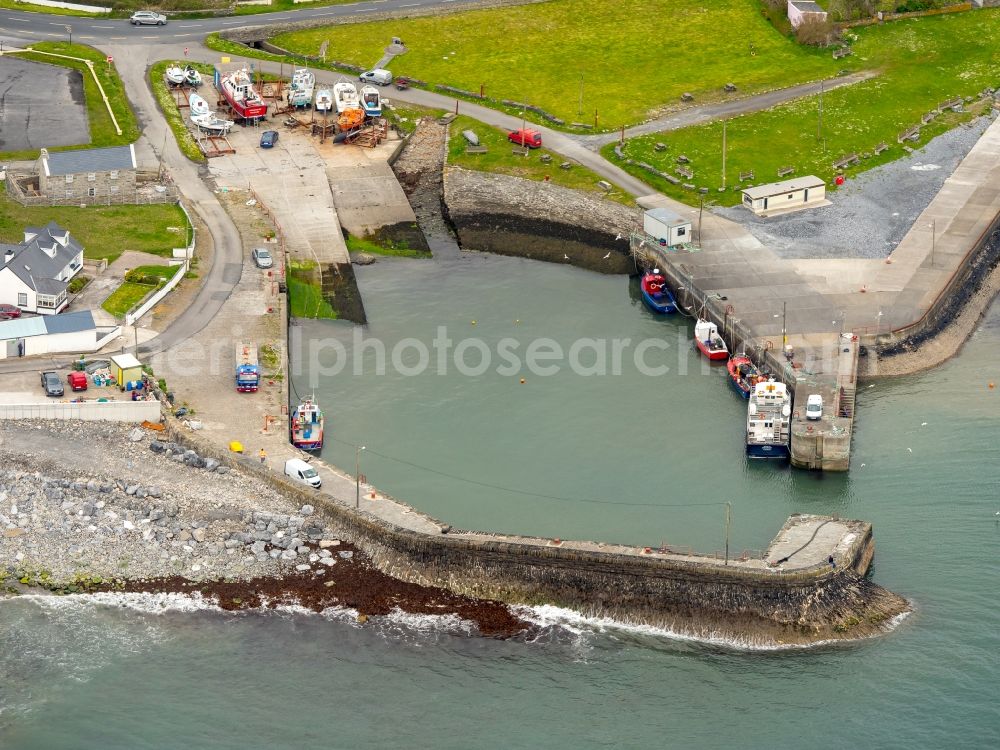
(786, 196)
(73, 332)
(34, 273)
(666, 227)
(800, 11)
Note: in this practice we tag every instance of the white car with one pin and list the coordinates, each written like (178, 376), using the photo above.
(814, 406)
(147, 18)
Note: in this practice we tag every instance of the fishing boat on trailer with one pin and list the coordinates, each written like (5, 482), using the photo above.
(212, 123)
(307, 426)
(708, 340)
(176, 75)
(191, 76)
(300, 92)
(743, 374)
(198, 105)
(324, 100)
(655, 293)
(237, 89)
(769, 420)
(371, 101)
(345, 96)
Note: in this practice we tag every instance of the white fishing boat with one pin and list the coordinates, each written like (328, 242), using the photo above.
(237, 88)
(212, 123)
(176, 75)
(191, 76)
(324, 100)
(769, 420)
(371, 101)
(198, 105)
(300, 92)
(345, 96)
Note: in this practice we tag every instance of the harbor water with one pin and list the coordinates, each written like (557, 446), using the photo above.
(644, 457)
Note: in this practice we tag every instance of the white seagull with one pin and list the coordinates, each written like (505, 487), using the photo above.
(618, 236)
(607, 256)
(565, 257)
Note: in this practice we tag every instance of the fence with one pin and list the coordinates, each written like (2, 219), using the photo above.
(182, 268)
(86, 411)
(69, 6)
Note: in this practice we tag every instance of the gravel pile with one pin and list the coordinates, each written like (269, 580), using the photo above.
(872, 212)
(156, 509)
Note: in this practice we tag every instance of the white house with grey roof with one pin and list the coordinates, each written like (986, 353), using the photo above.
(34, 274)
(786, 196)
(800, 11)
(89, 175)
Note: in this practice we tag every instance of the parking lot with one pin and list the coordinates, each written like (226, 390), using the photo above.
(25, 387)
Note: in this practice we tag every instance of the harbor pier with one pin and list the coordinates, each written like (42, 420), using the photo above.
(842, 318)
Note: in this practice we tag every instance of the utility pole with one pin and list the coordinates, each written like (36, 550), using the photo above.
(357, 476)
(784, 318)
(724, 122)
(729, 515)
(579, 110)
(819, 121)
(701, 210)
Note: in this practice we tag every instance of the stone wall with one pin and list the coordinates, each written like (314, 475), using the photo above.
(82, 189)
(512, 216)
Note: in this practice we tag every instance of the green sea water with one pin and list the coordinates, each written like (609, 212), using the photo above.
(629, 458)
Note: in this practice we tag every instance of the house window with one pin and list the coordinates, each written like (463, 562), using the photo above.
(22, 299)
(681, 231)
(114, 188)
(92, 192)
(790, 196)
(114, 174)
(69, 179)
(69, 193)
(91, 177)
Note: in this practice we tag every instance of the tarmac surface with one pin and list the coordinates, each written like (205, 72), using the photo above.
(40, 106)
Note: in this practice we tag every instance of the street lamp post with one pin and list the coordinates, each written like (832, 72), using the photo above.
(933, 239)
(784, 329)
(69, 30)
(357, 476)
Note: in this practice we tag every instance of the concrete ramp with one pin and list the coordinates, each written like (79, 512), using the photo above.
(365, 190)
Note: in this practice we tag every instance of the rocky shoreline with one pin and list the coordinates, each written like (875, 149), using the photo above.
(161, 518)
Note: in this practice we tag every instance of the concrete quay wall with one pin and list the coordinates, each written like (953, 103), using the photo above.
(747, 601)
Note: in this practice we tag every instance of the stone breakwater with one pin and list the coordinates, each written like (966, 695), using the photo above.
(508, 215)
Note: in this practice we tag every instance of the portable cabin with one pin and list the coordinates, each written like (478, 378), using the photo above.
(786, 196)
(127, 371)
(666, 227)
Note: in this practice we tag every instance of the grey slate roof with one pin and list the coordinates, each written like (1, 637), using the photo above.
(808, 6)
(69, 322)
(90, 160)
(667, 216)
(34, 266)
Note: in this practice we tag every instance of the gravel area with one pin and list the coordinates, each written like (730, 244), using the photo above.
(108, 500)
(872, 212)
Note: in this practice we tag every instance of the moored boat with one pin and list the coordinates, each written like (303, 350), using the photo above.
(655, 293)
(769, 420)
(324, 100)
(306, 426)
(198, 105)
(708, 340)
(371, 101)
(300, 92)
(743, 374)
(345, 96)
(238, 90)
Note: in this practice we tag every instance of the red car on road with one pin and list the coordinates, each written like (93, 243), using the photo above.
(9, 311)
(525, 137)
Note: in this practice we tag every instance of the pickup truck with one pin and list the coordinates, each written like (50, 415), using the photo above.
(52, 384)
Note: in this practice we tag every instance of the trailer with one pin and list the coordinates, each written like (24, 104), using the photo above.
(247, 368)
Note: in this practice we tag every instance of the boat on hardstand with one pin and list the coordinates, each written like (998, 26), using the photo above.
(655, 293)
(324, 100)
(176, 75)
(769, 420)
(237, 89)
(306, 426)
(345, 96)
(300, 93)
(191, 76)
(371, 101)
(743, 374)
(198, 105)
(213, 123)
(708, 340)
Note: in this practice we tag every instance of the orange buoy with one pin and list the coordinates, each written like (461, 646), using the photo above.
(522, 382)
(992, 386)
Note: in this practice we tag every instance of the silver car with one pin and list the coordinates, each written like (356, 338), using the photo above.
(262, 257)
(147, 18)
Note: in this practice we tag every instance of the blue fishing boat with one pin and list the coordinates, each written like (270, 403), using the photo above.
(307, 426)
(655, 293)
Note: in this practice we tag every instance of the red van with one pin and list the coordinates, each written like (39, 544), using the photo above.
(77, 381)
(525, 137)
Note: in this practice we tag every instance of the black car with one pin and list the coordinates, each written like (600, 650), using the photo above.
(268, 138)
(52, 384)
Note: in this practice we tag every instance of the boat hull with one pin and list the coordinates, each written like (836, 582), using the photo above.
(713, 354)
(738, 389)
(664, 305)
(308, 445)
(768, 451)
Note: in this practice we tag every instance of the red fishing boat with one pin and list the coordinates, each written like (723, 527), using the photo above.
(238, 90)
(743, 374)
(708, 340)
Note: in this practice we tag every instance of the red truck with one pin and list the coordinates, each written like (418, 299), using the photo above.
(525, 137)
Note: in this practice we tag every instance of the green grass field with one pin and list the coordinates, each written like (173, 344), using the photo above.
(168, 105)
(305, 297)
(102, 131)
(500, 158)
(104, 231)
(391, 249)
(630, 57)
(922, 62)
(125, 297)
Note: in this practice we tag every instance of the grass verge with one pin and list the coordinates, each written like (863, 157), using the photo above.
(305, 294)
(104, 231)
(102, 130)
(622, 59)
(390, 248)
(168, 106)
(501, 158)
(923, 62)
(125, 297)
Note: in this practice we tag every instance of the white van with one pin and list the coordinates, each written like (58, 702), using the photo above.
(380, 76)
(814, 406)
(300, 471)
